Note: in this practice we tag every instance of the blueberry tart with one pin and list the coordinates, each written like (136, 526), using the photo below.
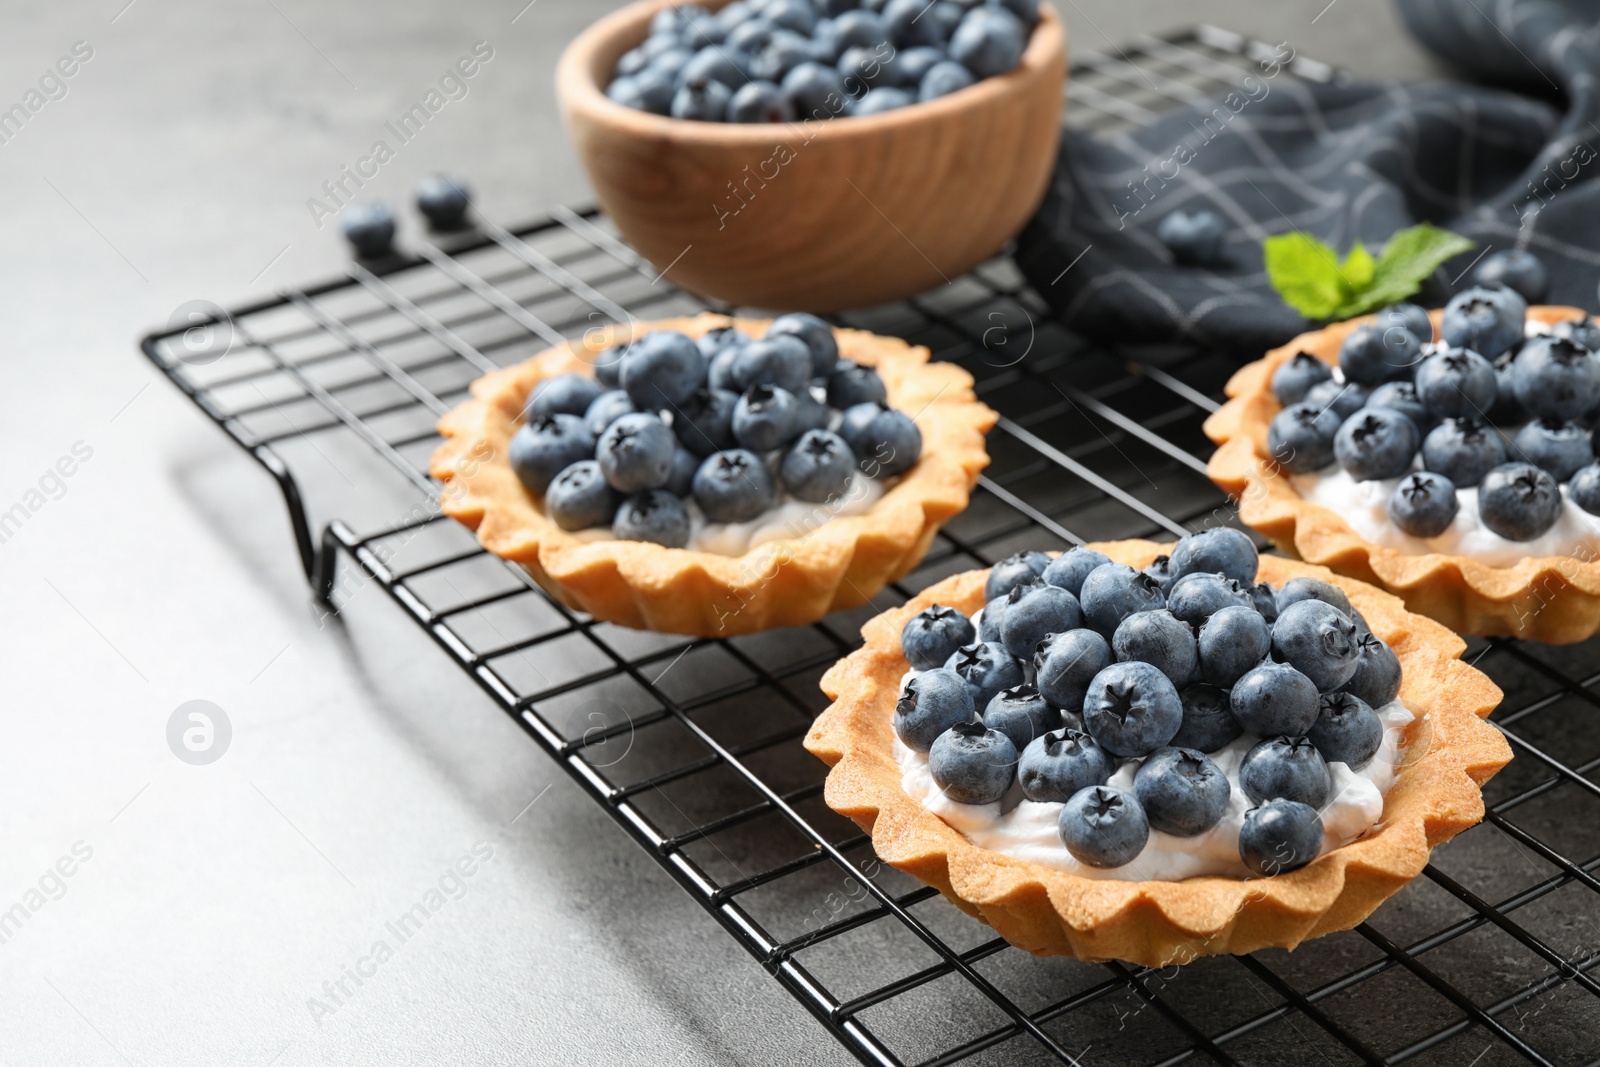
(713, 476)
(1251, 753)
(1446, 457)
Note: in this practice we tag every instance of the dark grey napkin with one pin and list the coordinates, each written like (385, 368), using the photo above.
(1344, 162)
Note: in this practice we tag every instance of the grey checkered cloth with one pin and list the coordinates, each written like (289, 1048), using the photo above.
(1345, 162)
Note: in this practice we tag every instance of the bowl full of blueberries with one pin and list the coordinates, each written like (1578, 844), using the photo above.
(817, 153)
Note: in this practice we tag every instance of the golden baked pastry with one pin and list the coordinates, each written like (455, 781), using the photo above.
(839, 563)
(1449, 753)
(1550, 598)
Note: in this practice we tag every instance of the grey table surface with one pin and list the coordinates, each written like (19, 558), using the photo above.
(212, 911)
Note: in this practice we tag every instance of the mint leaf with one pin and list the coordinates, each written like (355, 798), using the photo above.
(1312, 280)
(1306, 274)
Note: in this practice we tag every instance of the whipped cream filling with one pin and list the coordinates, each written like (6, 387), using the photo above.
(1365, 506)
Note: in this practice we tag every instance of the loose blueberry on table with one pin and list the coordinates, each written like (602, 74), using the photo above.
(782, 60)
(1220, 718)
(1479, 428)
(655, 448)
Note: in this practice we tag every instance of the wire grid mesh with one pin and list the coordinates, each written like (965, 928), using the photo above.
(694, 745)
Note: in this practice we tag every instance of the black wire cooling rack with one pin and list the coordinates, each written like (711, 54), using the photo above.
(694, 746)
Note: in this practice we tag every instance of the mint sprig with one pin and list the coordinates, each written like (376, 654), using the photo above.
(1314, 281)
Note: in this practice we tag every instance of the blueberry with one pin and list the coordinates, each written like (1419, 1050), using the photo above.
(815, 334)
(1300, 437)
(631, 62)
(1033, 613)
(1463, 450)
(1376, 443)
(913, 63)
(704, 423)
(713, 64)
(851, 384)
(1298, 589)
(653, 90)
(1561, 448)
(1347, 730)
(1280, 836)
(796, 15)
(888, 444)
(1194, 239)
(680, 482)
(719, 339)
(1160, 569)
(565, 394)
(987, 668)
(1319, 641)
(780, 359)
(1264, 600)
(635, 452)
(748, 36)
(988, 41)
(1516, 270)
(1069, 569)
(1296, 375)
(1131, 709)
(1103, 827)
(1584, 489)
(1402, 396)
(1488, 321)
(1556, 378)
(1183, 793)
(1017, 569)
(1581, 331)
(866, 67)
(369, 227)
(1406, 317)
(994, 613)
(1371, 354)
(1519, 501)
(1021, 714)
(881, 99)
(1196, 597)
(817, 467)
(703, 29)
(943, 78)
(1286, 767)
(1231, 643)
(733, 486)
(607, 365)
(763, 418)
(1026, 11)
(443, 201)
(930, 704)
(854, 420)
(702, 99)
(1056, 765)
(605, 409)
(932, 636)
(1160, 639)
(760, 101)
(1220, 550)
(1343, 399)
(1066, 664)
(669, 20)
(778, 55)
(720, 371)
(859, 29)
(1377, 676)
(670, 61)
(1424, 504)
(1208, 721)
(653, 515)
(817, 90)
(973, 764)
(545, 446)
(1507, 408)
(907, 28)
(580, 497)
(1274, 699)
(1113, 591)
(662, 370)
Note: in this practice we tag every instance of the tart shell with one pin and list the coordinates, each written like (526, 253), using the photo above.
(1549, 598)
(1450, 753)
(839, 563)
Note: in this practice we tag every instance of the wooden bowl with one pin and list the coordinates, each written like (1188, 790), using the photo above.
(817, 214)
